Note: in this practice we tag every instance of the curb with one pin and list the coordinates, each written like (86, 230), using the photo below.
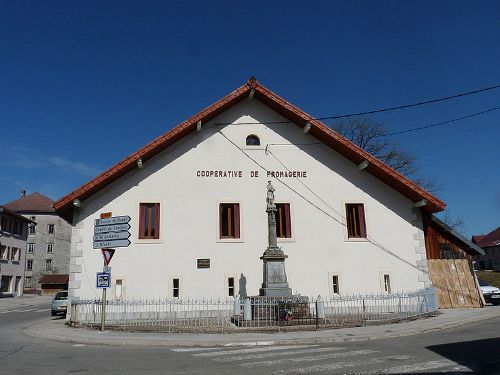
(71, 335)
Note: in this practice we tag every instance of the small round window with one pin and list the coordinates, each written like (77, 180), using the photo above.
(253, 140)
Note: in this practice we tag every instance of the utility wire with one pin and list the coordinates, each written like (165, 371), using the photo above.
(382, 109)
(440, 123)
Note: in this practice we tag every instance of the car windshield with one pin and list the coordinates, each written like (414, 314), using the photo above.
(61, 295)
(483, 283)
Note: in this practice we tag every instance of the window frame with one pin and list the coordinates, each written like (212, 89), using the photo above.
(288, 228)
(29, 264)
(331, 289)
(253, 147)
(363, 229)
(31, 248)
(50, 246)
(383, 284)
(51, 228)
(176, 289)
(237, 228)
(141, 221)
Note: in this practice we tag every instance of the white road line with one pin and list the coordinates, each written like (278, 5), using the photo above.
(243, 351)
(310, 358)
(418, 367)
(22, 311)
(275, 354)
(252, 343)
(42, 310)
(187, 350)
(338, 365)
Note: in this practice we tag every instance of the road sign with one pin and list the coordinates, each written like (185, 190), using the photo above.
(111, 243)
(111, 228)
(112, 220)
(107, 254)
(112, 236)
(103, 280)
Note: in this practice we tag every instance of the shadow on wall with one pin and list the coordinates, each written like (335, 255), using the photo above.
(243, 286)
(480, 356)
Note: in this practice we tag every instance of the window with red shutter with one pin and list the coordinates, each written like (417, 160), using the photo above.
(355, 217)
(229, 220)
(149, 221)
(283, 221)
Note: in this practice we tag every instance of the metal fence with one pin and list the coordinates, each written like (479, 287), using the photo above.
(236, 314)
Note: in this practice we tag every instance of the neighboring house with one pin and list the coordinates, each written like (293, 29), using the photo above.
(196, 197)
(13, 234)
(48, 240)
(490, 243)
(449, 258)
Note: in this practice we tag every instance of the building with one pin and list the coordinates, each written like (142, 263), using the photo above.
(48, 242)
(196, 198)
(13, 234)
(450, 261)
(490, 243)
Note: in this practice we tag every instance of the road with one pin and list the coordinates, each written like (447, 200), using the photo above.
(473, 348)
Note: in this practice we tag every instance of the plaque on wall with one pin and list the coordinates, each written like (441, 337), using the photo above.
(203, 263)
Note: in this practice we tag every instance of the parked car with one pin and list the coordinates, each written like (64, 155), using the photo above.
(60, 303)
(491, 293)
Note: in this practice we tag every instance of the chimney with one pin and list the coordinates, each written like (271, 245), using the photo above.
(23, 193)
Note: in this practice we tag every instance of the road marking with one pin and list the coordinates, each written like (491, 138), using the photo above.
(42, 310)
(313, 358)
(187, 350)
(242, 351)
(274, 354)
(339, 365)
(22, 311)
(78, 345)
(417, 367)
(253, 343)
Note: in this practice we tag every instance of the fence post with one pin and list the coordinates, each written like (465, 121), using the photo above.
(317, 313)
(247, 310)
(364, 312)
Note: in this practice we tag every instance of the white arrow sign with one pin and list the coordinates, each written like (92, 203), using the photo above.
(112, 220)
(112, 228)
(111, 236)
(111, 243)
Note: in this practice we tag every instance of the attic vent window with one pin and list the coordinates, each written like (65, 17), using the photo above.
(253, 140)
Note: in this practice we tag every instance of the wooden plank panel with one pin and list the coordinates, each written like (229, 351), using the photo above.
(447, 271)
(462, 284)
(439, 282)
(471, 285)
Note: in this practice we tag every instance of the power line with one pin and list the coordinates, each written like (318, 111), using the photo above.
(440, 123)
(380, 110)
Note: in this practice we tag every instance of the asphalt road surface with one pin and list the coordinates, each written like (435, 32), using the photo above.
(473, 348)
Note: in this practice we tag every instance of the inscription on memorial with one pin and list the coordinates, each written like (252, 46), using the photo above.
(203, 263)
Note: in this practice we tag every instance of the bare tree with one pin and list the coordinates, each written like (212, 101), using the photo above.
(371, 137)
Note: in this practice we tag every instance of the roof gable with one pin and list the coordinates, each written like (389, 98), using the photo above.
(296, 116)
(489, 240)
(34, 202)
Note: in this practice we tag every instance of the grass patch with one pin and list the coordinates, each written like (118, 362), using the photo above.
(491, 277)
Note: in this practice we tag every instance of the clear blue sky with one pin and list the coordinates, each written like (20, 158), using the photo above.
(85, 83)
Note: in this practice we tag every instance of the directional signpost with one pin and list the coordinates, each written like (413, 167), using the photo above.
(109, 232)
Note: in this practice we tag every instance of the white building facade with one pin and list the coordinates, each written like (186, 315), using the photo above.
(197, 205)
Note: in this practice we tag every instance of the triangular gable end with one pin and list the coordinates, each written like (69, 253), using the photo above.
(296, 116)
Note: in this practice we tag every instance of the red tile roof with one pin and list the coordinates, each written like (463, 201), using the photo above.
(34, 202)
(489, 240)
(319, 130)
(54, 279)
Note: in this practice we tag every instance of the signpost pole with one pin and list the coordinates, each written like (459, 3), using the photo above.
(103, 308)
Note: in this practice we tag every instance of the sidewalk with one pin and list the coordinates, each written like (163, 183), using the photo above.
(55, 329)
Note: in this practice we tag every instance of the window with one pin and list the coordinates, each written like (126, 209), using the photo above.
(149, 221)
(50, 228)
(252, 140)
(50, 248)
(29, 264)
(283, 224)
(27, 281)
(31, 248)
(17, 227)
(387, 283)
(15, 254)
(118, 289)
(355, 217)
(175, 287)
(32, 228)
(335, 284)
(4, 252)
(229, 220)
(6, 223)
(230, 286)
(48, 265)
